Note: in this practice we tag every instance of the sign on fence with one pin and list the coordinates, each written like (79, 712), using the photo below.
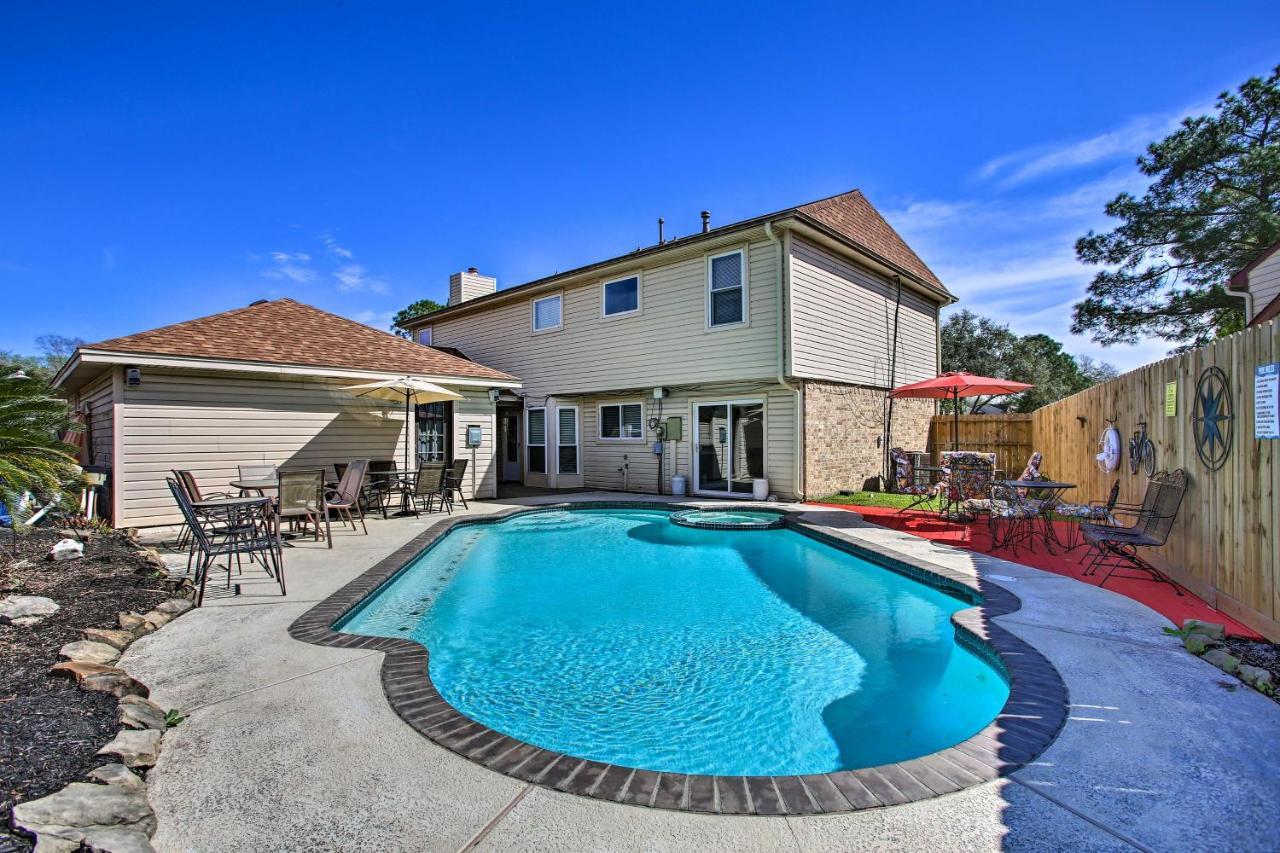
(1170, 399)
(1266, 401)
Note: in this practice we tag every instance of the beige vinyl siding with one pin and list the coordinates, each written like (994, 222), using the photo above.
(601, 459)
(98, 402)
(1264, 283)
(210, 423)
(666, 342)
(842, 323)
(481, 478)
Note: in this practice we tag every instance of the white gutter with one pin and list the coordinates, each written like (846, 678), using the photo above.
(89, 356)
(783, 247)
(1248, 300)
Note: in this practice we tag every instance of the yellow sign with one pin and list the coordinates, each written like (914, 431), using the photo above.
(1170, 399)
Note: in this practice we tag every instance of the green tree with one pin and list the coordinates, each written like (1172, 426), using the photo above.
(414, 310)
(32, 457)
(1213, 205)
(977, 344)
(54, 350)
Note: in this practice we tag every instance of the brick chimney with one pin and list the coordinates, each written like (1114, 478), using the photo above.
(470, 284)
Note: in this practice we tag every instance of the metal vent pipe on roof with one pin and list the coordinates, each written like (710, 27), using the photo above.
(661, 222)
(706, 221)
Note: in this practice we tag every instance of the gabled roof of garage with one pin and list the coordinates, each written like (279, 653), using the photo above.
(288, 332)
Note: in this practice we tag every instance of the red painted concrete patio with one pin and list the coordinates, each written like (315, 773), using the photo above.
(974, 537)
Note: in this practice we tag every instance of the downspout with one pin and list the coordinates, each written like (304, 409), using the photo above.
(1248, 302)
(783, 247)
(893, 381)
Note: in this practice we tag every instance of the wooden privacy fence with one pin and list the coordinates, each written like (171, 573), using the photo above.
(1224, 546)
(1007, 436)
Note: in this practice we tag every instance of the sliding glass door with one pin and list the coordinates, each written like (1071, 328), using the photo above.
(730, 447)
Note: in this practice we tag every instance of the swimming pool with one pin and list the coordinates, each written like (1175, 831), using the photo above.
(618, 636)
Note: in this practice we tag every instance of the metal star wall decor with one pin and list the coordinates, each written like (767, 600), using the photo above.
(1213, 417)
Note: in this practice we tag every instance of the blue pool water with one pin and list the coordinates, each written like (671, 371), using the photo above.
(618, 636)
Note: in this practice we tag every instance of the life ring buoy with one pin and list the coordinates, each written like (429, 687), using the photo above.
(1109, 446)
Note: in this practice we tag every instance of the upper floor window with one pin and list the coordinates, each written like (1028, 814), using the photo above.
(727, 289)
(547, 313)
(622, 420)
(621, 296)
(424, 336)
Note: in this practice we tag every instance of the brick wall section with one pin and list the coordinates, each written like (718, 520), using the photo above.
(841, 425)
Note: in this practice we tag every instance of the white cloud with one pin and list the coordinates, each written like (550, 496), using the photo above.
(291, 266)
(355, 277)
(331, 245)
(1128, 140)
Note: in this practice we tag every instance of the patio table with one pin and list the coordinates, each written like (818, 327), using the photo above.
(258, 486)
(1048, 493)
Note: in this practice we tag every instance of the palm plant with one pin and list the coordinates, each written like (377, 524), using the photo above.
(32, 457)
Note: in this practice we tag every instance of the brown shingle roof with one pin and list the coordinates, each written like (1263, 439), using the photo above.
(284, 331)
(852, 216)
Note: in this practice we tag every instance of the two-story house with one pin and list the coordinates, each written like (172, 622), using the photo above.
(757, 350)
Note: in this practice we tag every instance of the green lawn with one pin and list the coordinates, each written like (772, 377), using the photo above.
(878, 499)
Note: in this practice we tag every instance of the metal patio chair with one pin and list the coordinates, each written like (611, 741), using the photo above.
(429, 486)
(227, 530)
(1118, 547)
(453, 482)
(379, 485)
(346, 497)
(300, 497)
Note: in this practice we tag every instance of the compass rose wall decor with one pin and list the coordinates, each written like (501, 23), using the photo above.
(1213, 417)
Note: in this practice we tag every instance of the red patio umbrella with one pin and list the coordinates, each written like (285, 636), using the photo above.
(952, 386)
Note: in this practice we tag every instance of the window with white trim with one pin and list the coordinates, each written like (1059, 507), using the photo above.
(424, 336)
(621, 296)
(624, 421)
(547, 313)
(535, 430)
(567, 439)
(726, 289)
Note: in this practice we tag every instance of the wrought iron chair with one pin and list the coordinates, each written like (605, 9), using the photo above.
(1011, 510)
(429, 486)
(346, 497)
(235, 528)
(1118, 547)
(968, 484)
(907, 480)
(300, 496)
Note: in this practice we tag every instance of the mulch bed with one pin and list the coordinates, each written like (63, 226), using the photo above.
(49, 729)
(1258, 653)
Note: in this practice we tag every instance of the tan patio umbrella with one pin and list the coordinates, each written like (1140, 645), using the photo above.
(410, 390)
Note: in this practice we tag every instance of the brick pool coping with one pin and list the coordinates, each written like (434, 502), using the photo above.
(1029, 721)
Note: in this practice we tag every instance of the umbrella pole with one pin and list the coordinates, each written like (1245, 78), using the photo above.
(408, 427)
(955, 433)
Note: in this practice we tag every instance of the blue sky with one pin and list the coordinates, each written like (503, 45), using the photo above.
(164, 161)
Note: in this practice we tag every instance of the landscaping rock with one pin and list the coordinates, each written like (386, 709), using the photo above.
(1198, 644)
(63, 820)
(1222, 659)
(1255, 675)
(1209, 629)
(100, 678)
(117, 774)
(157, 619)
(26, 609)
(153, 557)
(135, 623)
(66, 549)
(135, 748)
(175, 606)
(118, 840)
(110, 636)
(89, 651)
(139, 713)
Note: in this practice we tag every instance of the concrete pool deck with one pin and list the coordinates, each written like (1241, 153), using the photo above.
(290, 746)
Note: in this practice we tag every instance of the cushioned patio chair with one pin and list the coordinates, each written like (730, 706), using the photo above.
(907, 480)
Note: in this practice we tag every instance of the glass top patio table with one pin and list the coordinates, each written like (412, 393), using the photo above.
(254, 485)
